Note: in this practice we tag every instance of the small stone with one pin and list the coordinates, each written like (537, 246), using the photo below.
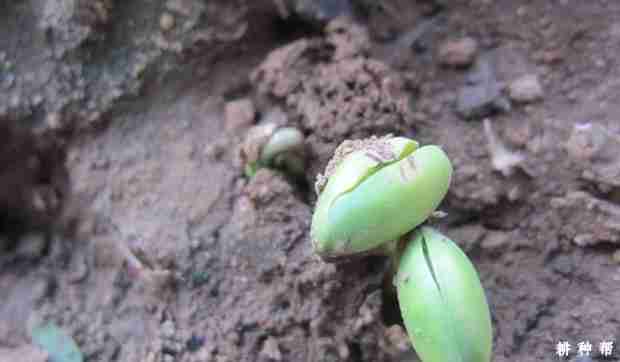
(271, 350)
(420, 117)
(526, 89)
(168, 329)
(544, 22)
(239, 114)
(37, 100)
(552, 56)
(53, 120)
(102, 163)
(79, 270)
(41, 289)
(458, 53)
(587, 141)
(502, 159)
(495, 240)
(398, 338)
(9, 80)
(616, 256)
(215, 150)
(467, 235)
(194, 343)
(481, 95)
(572, 96)
(344, 352)
(514, 194)
(166, 21)
(31, 246)
(15, 101)
(584, 239)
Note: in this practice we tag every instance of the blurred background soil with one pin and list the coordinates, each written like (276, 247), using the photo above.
(127, 220)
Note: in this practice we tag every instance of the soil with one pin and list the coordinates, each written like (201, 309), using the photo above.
(128, 221)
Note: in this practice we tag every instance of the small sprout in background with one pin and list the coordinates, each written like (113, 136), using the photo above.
(59, 345)
(284, 150)
(373, 196)
(274, 146)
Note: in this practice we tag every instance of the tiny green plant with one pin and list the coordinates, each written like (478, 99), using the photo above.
(373, 198)
(281, 148)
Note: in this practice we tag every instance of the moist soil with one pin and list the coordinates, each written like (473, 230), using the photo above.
(127, 219)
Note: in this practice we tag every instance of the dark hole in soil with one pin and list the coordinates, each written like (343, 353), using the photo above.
(391, 310)
(33, 180)
(292, 28)
(356, 352)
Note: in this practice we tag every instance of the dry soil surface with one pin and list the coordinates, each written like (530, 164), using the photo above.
(127, 219)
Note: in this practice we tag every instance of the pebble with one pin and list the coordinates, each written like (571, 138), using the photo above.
(551, 56)
(525, 89)
(37, 100)
(398, 338)
(459, 52)
(616, 256)
(79, 270)
(572, 96)
(168, 329)
(588, 140)
(194, 343)
(15, 101)
(53, 120)
(271, 349)
(481, 95)
(31, 246)
(468, 235)
(8, 80)
(166, 21)
(239, 114)
(495, 240)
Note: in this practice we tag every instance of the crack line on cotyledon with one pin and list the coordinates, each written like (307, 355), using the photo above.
(427, 258)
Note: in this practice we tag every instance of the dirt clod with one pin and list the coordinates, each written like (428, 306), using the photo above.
(166, 21)
(458, 52)
(526, 89)
(239, 114)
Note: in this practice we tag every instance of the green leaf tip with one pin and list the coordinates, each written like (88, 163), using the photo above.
(375, 191)
(268, 145)
(442, 301)
(283, 140)
(57, 343)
